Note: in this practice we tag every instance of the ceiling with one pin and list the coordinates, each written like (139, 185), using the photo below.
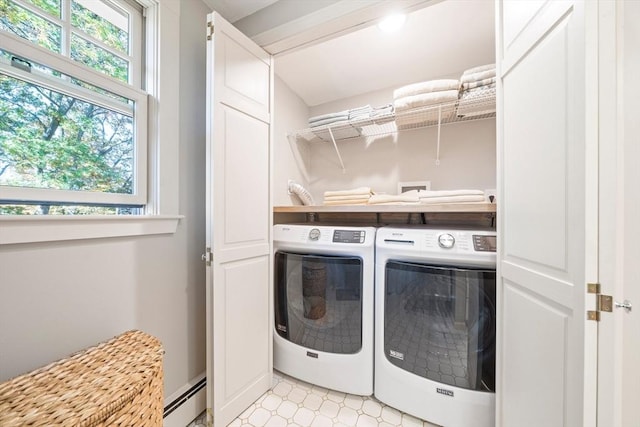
(331, 50)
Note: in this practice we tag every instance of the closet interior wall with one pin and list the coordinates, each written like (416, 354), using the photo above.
(467, 152)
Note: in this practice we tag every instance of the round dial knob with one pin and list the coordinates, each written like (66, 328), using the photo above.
(314, 234)
(446, 241)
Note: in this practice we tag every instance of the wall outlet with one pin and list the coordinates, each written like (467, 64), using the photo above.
(490, 195)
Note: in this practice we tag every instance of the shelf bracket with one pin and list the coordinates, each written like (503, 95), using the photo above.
(335, 146)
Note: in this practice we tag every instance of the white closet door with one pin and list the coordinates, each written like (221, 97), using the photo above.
(239, 88)
(547, 215)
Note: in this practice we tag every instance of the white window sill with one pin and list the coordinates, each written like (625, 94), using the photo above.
(31, 229)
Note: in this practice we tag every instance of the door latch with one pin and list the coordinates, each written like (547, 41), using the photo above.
(207, 256)
(626, 304)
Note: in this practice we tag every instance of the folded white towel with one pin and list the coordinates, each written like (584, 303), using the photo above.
(360, 191)
(481, 75)
(426, 87)
(424, 194)
(479, 83)
(329, 121)
(347, 197)
(425, 99)
(391, 198)
(479, 69)
(329, 116)
(345, 202)
(453, 199)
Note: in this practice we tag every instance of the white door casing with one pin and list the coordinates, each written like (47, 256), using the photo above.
(619, 339)
(547, 223)
(239, 218)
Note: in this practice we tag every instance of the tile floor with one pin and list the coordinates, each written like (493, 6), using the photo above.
(294, 403)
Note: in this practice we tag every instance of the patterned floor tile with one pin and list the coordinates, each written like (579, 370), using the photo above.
(294, 403)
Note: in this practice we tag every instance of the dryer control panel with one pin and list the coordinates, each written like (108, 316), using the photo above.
(471, 247)
(483, 243)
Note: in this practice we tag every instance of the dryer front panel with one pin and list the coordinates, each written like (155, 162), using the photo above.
(439, 323)
(318, 301)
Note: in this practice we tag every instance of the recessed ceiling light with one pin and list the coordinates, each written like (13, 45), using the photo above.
(392, 23)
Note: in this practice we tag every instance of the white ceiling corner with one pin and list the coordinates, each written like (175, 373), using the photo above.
(335, 52)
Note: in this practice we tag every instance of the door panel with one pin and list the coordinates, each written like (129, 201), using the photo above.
(543, 334)
(242, 189)
(242, 288)
(243, 76)
(239, 86)
(539, 378)
(534, 160)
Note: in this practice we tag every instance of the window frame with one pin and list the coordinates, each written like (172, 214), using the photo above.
(160, 214)
(37, 54)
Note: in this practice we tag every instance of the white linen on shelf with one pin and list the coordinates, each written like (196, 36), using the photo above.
(481, 75)
(377, 199)
(426, 87)
(424, 100)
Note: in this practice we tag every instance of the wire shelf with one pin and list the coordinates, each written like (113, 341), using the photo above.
(466, 108)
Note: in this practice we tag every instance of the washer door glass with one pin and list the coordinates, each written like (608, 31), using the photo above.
(439, 323)
(318, 301)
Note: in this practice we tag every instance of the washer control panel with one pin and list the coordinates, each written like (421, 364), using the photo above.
(349, 236)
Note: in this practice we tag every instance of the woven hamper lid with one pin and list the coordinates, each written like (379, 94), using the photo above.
(85, 388)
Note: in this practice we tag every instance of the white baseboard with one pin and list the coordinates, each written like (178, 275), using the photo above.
(185, 407)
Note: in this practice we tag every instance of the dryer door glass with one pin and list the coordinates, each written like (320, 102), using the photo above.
(318, 301)
(439, 323)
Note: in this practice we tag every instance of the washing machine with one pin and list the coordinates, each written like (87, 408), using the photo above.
(324, 305)
(435, 324)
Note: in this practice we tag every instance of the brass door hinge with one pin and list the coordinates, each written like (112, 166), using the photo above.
(603, 302)
(209, 30)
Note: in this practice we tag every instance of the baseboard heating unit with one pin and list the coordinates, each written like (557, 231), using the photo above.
(186, 404)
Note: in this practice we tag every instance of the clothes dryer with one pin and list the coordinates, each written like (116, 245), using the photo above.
(436, 323)
(324, 305)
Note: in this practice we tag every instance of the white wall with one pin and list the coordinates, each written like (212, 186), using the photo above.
(467, 154)
(290, 159)
(61, 297)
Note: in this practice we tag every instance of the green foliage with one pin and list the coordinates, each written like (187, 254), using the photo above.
(52, 7)
(99, 59)
(50, 140)
(99, 28)
(25, 24)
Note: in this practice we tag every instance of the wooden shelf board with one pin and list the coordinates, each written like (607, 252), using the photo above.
(443, 207)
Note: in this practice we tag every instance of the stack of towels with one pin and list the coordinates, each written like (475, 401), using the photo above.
(400, 199)
(448, 196)
(417, 104)
(356, 196)
(382, 114)
(318, 125)
(476, 84)
(360, 113)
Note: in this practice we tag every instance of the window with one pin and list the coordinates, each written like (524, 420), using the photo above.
(73, 110)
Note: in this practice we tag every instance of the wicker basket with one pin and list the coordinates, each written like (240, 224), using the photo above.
(116, 383)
